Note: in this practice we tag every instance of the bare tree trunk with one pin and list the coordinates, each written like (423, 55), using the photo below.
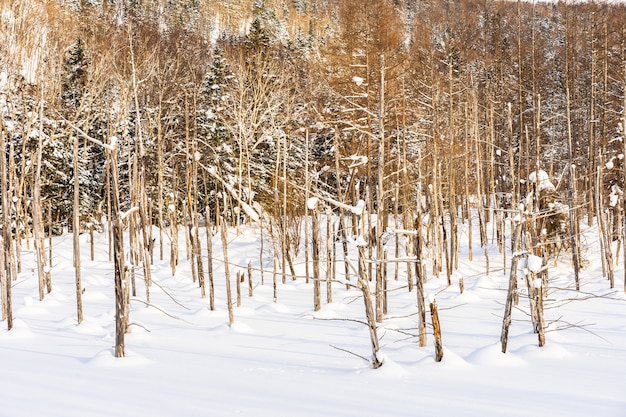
(541, 335)
(209, 253)
(369, 308)
(482, 217)
(160, 178)
(192, 212)
(76, 230)
(7, 269)
(239, 279)
(603, 232)
(436, 331)
(275, 278)
(174, 235)
(506, 321)
(419, 282)
(261, 257)
(316, 260)
(4, 299)
(329, 259)
(624, 178)
(307, 185)
(229, 300)
(468, 206)
(121, 289)
(380, 191)
(341, 214)
(250, 287)
(17, 237)
(38, 222)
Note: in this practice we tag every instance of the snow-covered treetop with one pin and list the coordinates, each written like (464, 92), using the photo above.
(541, 178)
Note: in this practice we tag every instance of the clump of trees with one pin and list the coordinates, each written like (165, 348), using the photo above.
(427, 112)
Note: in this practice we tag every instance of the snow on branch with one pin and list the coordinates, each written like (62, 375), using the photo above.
(84, 135)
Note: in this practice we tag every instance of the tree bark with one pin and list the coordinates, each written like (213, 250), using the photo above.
(510, 298)
(434, 313)
(316, 260)
(419, 282)
(229, 300)
(76, 230)
(369, 308)
(209, 253)
(7, 247)
(121, 318)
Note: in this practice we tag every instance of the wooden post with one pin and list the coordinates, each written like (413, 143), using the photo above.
(91, 242)
(275, 278)
(434, 314)
(239, 279)
(541, 335)
(249, 279)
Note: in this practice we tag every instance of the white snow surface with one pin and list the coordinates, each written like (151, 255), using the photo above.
(284, 359)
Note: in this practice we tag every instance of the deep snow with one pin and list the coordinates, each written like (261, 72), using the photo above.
(284, 359)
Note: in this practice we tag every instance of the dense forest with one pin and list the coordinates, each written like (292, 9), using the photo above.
(411, 114)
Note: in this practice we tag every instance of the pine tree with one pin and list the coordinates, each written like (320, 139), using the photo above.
(75, 75)
(217, 146)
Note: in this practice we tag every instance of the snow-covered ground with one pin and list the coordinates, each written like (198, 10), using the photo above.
(283, 359)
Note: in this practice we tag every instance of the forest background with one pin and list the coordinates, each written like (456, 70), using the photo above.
(194, 113)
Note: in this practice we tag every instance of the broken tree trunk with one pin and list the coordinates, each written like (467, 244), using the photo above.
(434, 314)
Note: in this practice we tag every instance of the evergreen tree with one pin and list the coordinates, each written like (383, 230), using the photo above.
(213, 112)
(75, 75)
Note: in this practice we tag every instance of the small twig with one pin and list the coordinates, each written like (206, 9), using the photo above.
(452, 307)
(169, 295)
(140, 325)
(336, 319)
(402, 317)
(352, 353)
(578, 326)
(163, 311)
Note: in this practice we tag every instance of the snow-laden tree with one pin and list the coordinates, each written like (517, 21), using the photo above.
(216, 144)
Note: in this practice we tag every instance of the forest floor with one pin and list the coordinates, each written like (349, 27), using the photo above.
(281, 358)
